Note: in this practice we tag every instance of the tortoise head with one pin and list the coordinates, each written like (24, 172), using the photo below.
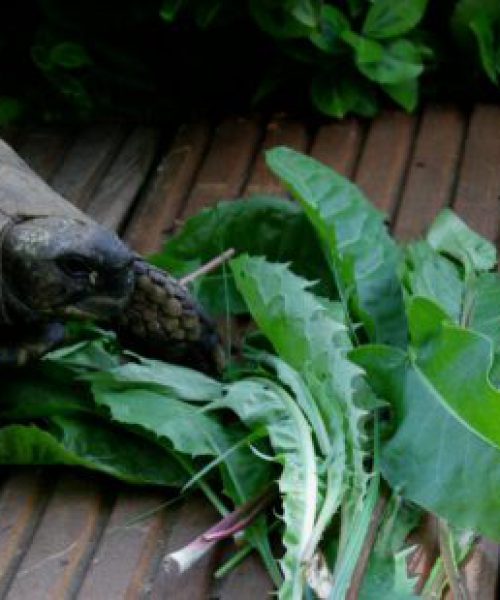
(63, 267)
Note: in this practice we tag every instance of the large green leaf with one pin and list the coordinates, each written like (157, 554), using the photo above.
(260, 403)
(92, 444)
(392, 18)
(361, 253)
(445, 425)
(455, 363)
(308, 335)
(261, 225)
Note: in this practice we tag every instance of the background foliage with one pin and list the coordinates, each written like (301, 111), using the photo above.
(159, 60)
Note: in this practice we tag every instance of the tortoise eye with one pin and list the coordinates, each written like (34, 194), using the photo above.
(74, 266)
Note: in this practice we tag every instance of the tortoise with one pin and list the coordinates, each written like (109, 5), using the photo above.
(56, 264)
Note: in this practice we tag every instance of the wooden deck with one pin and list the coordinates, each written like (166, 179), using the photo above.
(68, 534)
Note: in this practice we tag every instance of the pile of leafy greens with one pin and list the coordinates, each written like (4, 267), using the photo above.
(163, 59)
(366, 395)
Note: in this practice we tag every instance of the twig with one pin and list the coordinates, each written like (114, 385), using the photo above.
(208, 267)
(364, 556)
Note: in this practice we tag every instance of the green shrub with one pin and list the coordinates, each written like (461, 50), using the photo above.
(160, 60)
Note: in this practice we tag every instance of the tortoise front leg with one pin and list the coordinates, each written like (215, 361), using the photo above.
(19, 346)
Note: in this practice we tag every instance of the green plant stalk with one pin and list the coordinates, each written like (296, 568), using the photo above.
(455, 579)
(240, 556)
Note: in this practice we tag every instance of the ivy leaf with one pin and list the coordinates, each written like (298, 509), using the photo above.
(392, 18)
(363, 257)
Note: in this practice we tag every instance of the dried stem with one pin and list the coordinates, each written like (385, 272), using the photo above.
(208, 267)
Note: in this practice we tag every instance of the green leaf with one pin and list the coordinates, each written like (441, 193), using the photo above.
(439, 440)
(261, 403)
(406, 93)
(91, 444)
(328, 35)
(363, 257)
(455, 363)
(306, 334)
(277, 18)
(484, 316)
(164, 416)
(170, 9)
(431, 275)
(482, 28)
(261, 225)
(389, 64)
(206, 12)
(172, 380)
(387, 573)
(10, 110)
(392, 18)
(69, 55)
(450, 235)
(338, 96)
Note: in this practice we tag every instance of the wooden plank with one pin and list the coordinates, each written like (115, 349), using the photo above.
(119, 187)
(86, 162)
(385, 155)
(432, 172)
(193, 517)
(225, 168)
(63, 542)
(337, 144)
(43, 149)
(280, 131)
(481, 571)
(129, 549)
(22, 501)
(478, 192)
(156, 213)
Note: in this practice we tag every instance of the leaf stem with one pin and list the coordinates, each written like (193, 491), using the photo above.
(235, 521)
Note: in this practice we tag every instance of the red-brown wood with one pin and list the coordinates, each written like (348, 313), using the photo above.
(225, 168)
(163, 199)
(383, 162)
(432, 172)
(280, 131)
(337, 144)
(86, 161)
(118, 190)
(478, 194)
